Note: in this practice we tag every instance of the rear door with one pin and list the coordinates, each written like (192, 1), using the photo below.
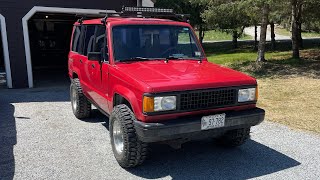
(86, 79)
(74, 54)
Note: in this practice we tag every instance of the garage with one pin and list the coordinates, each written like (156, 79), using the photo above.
(47, 33)
(50, 35)
(5, 71)
(3, 81)
(35, 38)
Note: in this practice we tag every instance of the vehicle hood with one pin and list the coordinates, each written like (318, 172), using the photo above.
(177, 75)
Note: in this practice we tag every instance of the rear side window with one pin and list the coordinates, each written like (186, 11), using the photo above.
(76, 39)
(89, 39)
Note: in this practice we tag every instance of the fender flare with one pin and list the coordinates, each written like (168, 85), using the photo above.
(128, 95)
(77, 71)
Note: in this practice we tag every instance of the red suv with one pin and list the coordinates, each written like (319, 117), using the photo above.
(152, 79)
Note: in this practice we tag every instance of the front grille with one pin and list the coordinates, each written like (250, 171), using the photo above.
(207, 99)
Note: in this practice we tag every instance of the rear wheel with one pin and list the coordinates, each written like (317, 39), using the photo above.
(81, 107)
(235, 137)
(128, 150)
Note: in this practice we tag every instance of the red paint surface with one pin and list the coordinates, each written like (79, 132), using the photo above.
(132, 79)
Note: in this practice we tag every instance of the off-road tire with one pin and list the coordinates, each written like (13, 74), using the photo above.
(134, 151)
(83, 106)
(235, 137)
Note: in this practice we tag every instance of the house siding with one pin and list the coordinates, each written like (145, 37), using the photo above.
(15, 10)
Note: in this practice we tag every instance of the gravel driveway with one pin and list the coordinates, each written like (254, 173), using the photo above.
(41, 139)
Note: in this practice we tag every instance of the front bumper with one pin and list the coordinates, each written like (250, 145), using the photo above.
(190, 127)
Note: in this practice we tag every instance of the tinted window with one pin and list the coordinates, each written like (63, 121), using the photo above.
(154, 41)
(100, 39)
(76, 39)
(89, 39)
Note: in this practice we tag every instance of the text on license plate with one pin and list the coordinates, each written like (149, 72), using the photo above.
(213, 121)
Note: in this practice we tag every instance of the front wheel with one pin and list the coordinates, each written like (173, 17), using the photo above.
(235, 137)
(128, 150)
(81, 107)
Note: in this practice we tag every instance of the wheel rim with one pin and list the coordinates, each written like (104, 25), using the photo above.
(118, 137)
(74, 99)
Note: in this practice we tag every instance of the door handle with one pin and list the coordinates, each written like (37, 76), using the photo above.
(80, 60)
(93, 66)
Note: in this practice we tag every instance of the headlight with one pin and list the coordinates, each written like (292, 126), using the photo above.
(156, 104)
(245, 95)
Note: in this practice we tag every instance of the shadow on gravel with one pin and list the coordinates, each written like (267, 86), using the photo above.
(199, 160)
(196, 160)
(96, 117)
(8, 131)
(8, 138)
(57, 94)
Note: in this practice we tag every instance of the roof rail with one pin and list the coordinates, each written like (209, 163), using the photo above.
(83, 17)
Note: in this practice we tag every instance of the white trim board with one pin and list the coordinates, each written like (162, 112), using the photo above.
(4, 37)
(25, 27)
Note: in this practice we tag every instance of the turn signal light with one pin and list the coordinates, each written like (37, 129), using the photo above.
(148, 104)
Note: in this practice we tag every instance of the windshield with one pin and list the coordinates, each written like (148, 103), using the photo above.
(132, 42)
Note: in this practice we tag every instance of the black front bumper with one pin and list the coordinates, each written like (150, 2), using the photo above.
(190, 127)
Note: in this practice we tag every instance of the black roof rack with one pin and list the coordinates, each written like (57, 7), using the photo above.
(151, 12)
(139, 12)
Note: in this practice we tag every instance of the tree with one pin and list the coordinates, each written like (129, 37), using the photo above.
(278, 13)
(296, 7)
(302, 14)
(227, 15)
(263, 32)
(255, 46)
(187, 7)
(253, 12)
(263, 9)
(260, 13)
(273, 36)
(196, 11)
(311, 14)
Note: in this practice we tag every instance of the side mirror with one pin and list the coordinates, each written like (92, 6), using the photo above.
(95, 56)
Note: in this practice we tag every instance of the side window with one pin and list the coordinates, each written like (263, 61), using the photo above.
(100, 39)
(76, 38)
(89, 39)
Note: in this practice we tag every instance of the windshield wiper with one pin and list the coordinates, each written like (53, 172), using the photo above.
(135, 59)
(173, 58)
(182, 58)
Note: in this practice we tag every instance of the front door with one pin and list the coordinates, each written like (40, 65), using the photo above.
(98, 70)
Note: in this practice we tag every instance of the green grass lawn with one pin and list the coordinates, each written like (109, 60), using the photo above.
(285, 32)
(288, 88)
(215, 35)
(279, 62)
(239, 56)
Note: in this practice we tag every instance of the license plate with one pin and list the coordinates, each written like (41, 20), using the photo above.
(213, 121)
